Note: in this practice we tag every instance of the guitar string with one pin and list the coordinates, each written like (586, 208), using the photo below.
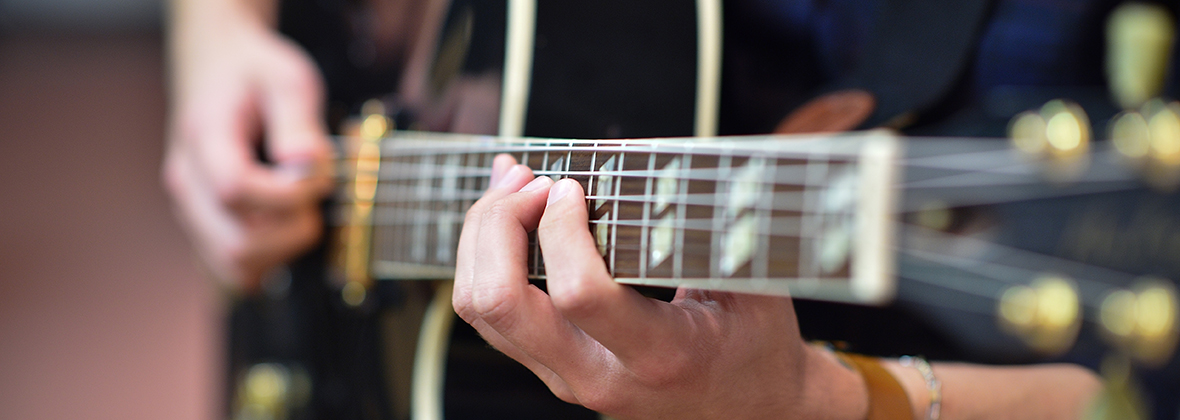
(1010, 274)
(1000, 175)
(648, 172)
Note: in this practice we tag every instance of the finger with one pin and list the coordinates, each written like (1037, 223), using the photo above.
(582, 289)
(218, 237)
(296, 137)
(275, 237)
(220, 138)
(291, 102)
(500, 165)
(506, 177)
(504, 182)
(502, 297)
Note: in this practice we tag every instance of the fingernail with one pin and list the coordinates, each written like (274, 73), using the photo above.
(293, 172)
(536, 184)
(511, 176)
(559, 190)
(499, 167)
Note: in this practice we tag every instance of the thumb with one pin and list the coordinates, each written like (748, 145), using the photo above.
(292, 98)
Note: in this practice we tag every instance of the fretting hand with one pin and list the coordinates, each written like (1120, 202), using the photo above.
(600, 344)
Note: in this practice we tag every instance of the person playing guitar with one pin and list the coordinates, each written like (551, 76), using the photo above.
(238, 85)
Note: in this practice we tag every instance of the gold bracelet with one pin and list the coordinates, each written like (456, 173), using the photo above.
(932, 383)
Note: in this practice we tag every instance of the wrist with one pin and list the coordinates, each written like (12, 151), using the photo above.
(832, 389)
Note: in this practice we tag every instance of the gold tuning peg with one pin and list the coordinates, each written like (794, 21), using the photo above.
(1120, 398)
(1046, 314)
(1144, 321)
(1058, 136)
(1139, 39)
(271, 391)
(1149, 139)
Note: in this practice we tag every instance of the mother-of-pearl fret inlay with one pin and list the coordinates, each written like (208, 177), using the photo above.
(557, 168)
(661, 239)
(839, 206)
(746, 186)
(602, 234)
(606, 182)
(667, 185)
(740, 239)
(739, 244)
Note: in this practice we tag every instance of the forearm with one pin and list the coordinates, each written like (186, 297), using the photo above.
(991, 392)
(184, 13)
(198, 29)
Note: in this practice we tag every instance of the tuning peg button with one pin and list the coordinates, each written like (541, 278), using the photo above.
(1143, 321)
(1057, 137)
(1046, 314)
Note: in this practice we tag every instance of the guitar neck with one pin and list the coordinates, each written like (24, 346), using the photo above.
(768, 215)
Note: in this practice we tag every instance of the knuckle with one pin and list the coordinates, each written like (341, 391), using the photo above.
(229, 189)
(461, 301)
(564, 394)
(297, 76)
(474, 214)
(495, 306)
(668, 368)
(235, 255)
(573, 298)
(498, 213)
(603, 399)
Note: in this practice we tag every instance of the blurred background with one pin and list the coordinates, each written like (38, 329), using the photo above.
(104, 313)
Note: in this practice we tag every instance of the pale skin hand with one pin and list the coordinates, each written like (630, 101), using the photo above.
(602, 345)
(236, 82)
(705, 354)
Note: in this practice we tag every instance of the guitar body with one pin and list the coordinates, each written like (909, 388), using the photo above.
(613, 70)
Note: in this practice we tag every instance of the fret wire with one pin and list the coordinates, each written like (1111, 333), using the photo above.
(617, 185)
(817, 168)
(569, 157)
(767, 201)
(537, 247)
(723, 165)
(645, 230)
(681, 216)
(590, 189)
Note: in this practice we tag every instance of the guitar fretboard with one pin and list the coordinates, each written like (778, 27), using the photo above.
(766, 215)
